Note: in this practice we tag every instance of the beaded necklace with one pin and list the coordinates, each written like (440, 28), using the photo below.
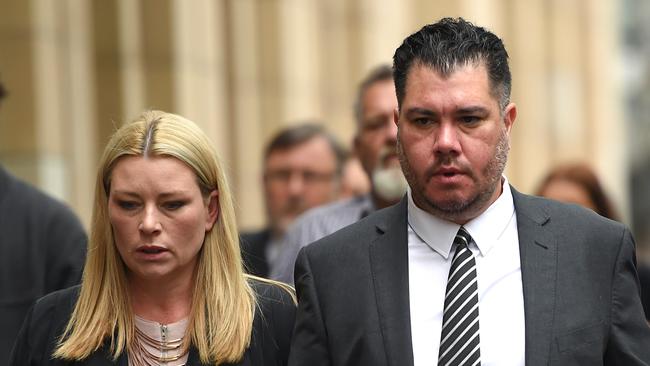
(155, 346)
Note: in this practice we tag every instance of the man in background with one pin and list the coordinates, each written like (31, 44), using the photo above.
(42, 249)
(302, 169)
(375, 146)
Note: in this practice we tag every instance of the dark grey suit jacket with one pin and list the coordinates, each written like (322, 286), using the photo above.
(581, 293)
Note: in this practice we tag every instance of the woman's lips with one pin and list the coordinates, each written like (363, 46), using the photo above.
(151, 251)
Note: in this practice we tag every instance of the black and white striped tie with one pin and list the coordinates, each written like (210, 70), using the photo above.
(459, 342)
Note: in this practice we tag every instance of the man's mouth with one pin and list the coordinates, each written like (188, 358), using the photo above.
(447, 172)
(388, 158)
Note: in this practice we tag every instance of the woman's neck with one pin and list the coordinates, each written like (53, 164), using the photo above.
(163, 301)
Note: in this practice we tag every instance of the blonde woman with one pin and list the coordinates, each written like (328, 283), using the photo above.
(163, 282)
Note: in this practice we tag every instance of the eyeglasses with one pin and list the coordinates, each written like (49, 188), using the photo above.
(307, 176)
(377, 123)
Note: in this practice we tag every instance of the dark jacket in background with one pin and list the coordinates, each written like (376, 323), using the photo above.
(42, 249)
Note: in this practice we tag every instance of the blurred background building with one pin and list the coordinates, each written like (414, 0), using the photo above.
(76, 69)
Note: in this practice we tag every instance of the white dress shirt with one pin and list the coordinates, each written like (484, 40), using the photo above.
(500, 293)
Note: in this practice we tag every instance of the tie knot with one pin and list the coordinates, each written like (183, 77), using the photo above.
(462, 237)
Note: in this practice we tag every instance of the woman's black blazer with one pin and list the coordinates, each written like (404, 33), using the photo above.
(48, 317)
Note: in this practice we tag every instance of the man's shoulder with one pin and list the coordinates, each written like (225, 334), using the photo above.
(25, 200)
(544, 209)
(323, 220)
(362, 232)
(565, 220)
(346, 209)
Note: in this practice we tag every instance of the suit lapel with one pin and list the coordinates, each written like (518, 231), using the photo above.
(389, 271)
(538, 252)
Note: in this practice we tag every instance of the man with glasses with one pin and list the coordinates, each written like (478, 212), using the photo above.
(375, 146)
(302, 169)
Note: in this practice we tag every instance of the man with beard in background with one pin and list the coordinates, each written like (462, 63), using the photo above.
(375, 146)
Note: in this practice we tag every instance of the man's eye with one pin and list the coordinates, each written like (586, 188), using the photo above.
(373, 126)
(468, 120)
(173, 205)
(422, 121)
(376, 123)
(127, 205)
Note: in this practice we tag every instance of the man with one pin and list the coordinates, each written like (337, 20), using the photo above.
(42, 249)
(375, 146)
(354, 180)
(302, 169)
(527, 281)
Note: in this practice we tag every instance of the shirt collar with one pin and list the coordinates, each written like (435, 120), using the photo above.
(485, 229)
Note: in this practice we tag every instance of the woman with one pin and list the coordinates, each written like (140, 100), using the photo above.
(163, 281)
(577, 183)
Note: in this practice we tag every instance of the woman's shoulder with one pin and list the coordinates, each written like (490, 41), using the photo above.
(275, 315)
(52, 310)
(58, 300)
(269, 292)
(43, 325)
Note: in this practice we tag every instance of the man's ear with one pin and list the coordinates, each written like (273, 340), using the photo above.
(396, 117)
(213, 210)
(509, 116)
(356, 144)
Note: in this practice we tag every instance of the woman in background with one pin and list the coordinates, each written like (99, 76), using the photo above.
(163, 281)
(577, 183)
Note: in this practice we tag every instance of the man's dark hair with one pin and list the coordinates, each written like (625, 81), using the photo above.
(379, 73)
(449, 43)
(293, 136)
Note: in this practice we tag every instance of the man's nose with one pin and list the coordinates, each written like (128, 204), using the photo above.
(391, 132)
(296, 183)
(447, 139)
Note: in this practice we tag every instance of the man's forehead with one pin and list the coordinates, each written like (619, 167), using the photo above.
(379, 97)
(466, 83)
(297, 149)
(447, 70)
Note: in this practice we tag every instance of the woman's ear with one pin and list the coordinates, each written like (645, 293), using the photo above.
(213, 210)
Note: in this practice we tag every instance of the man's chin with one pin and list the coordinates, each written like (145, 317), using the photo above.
(455, 207)
(391, 162)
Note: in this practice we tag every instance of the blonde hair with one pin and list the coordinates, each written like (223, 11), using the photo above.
(223, 303)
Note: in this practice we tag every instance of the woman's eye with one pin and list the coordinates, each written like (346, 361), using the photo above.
(127, 205)
(173, 205)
